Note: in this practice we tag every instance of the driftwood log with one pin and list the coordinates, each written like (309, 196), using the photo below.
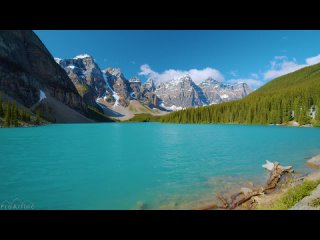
(276, 173)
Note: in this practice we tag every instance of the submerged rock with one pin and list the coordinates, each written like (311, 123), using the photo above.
(246, 191)
(140, 205)
(314, 162)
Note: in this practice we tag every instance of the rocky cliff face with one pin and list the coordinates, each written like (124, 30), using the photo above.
(86, 76)
(119, 85)
(181, 92)
(124, 90)
(241, 90)
(217, 92)
(148, 86)
(145, 92)
(210, 89)
(26, 66)
(135, 86)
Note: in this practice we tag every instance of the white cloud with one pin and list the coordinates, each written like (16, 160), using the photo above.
(313, 60)
(170, 74)
(253, 83)
(147, 71)
(254, 75)
(281, 66)
(233, 73)
(280, 57)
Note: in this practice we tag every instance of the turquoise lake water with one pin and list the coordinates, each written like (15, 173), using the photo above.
(141, 165)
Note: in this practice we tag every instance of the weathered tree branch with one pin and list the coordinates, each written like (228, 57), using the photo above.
(243, 200)
(277, 171)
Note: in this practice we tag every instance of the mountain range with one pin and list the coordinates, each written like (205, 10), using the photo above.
(78, 90)
(292, 99)
(119, 96)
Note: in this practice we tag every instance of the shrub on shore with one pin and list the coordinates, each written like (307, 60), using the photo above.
(315, 202)
(295, 194)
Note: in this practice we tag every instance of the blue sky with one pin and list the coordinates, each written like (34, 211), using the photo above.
(250, 56)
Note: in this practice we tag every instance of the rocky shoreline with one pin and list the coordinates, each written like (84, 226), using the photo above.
(269, 202)
(285, 185)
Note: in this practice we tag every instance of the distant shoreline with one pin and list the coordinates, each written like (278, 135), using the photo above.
(128, 121)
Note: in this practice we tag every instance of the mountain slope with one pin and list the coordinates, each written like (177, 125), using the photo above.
(125, 98)
(295, 96)
(27, 66)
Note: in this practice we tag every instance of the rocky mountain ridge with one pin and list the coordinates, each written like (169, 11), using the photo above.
(114, 88)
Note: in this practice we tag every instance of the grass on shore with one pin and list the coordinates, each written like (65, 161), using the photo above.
(294, 195)
(95, 114)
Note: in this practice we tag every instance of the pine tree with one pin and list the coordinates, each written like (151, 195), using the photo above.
(317, 117)
(28, 117)
(1, 107)
(7, 115)
(15, 115)
(37, 121)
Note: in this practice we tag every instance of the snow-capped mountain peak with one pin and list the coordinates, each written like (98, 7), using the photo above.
(178, 93)
(81, 56)
(183, 92)
(114, 71)
(184, 78)
(211, 80)
(135, 79)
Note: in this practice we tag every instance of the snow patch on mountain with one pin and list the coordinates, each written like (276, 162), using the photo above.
(71, 66)
(135, 80)
(172, 108)
(42, 95)
(106, 80)
(81, 56)
(114, 94)
(116, 97)
(58, 60)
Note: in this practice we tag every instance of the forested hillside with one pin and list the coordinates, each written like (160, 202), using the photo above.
(295, 96)
(13, 116)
